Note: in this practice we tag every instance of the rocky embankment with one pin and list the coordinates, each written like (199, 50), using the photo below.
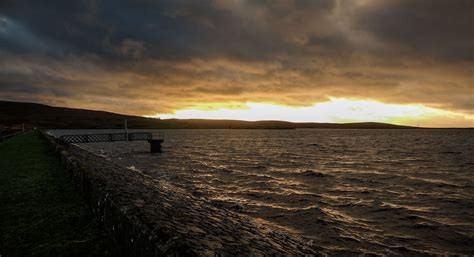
(149, 217)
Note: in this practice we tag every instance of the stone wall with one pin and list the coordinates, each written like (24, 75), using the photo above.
(149, 217)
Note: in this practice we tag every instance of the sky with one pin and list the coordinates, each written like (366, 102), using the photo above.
(406, 62)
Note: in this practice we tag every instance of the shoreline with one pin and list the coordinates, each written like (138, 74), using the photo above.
(149, 217)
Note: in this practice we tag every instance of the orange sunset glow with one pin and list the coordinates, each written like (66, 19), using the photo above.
(403, 62)
(338, 110)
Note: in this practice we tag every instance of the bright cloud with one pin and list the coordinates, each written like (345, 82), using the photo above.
(335, 110)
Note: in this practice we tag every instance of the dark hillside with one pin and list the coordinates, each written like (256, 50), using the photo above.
(44, 116)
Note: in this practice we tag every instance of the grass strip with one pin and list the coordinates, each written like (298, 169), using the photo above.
(40, 213)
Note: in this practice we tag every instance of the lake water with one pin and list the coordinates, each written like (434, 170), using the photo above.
(345, 191)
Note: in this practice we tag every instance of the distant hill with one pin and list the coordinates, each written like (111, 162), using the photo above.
(44, 116)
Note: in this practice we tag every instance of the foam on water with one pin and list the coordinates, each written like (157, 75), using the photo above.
(348, 191)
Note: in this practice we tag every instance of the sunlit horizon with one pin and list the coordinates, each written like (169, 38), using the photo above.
(336, 110)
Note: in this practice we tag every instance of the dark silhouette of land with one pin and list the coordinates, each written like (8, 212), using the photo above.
(44, 116)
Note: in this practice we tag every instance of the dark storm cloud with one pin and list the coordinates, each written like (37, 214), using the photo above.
(440, 29)
(169, 54)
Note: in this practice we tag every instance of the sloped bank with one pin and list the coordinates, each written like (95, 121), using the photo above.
(148, 217)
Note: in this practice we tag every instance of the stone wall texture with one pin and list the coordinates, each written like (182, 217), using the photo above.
(149, 217)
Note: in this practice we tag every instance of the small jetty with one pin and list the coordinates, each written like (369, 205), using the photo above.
(155, 139)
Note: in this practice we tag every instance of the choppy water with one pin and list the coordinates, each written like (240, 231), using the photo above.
(349, 191)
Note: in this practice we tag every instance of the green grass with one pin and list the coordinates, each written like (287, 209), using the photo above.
(40, 213)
